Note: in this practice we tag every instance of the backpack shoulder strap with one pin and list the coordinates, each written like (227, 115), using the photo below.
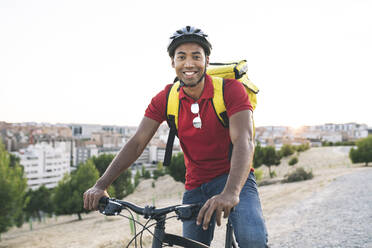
(172, 108)
(218, 101)
(173, 104)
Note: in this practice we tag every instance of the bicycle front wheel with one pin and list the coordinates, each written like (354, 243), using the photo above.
(172, 239)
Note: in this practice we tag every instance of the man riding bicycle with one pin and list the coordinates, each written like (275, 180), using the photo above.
(218, 159)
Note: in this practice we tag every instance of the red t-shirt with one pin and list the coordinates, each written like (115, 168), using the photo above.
(206, 150)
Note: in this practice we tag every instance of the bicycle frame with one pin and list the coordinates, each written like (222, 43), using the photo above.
(160, 236)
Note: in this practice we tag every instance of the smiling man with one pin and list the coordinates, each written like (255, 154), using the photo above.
(217, 159)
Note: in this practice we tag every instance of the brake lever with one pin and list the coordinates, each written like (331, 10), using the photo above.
(111, 208)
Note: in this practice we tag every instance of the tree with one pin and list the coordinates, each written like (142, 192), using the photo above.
(177, 168)
(137, 177)
(145, 173)
(14, 160)
(12, 191)
(37, 201)
(122, 186)
(258, 156)
(62, 196)
(159, 171)
(270, 158)
(102, 162)
(68, 197)
(363, 152)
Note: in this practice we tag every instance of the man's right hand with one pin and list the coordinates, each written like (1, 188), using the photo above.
(92, 196)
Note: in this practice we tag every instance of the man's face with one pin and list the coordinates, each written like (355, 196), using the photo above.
(189, 61)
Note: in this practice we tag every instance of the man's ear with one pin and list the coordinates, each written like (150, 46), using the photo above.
(207, 60)
(172, 61)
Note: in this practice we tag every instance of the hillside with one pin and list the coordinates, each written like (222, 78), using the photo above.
(96, 231)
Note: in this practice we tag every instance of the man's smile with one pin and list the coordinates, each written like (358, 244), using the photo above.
(189, 74)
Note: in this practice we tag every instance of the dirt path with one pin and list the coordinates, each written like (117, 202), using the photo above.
(340, 215)
(279, 198)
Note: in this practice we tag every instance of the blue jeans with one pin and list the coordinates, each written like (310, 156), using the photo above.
(249, 225)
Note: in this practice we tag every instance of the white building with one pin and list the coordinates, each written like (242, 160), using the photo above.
(332, 137)
(45, 164)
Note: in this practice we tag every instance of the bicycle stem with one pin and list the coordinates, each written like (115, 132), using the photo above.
(159, 232)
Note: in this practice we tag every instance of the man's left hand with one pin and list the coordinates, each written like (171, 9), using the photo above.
(222, 202)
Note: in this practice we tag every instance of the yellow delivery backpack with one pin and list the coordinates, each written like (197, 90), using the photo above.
(218, 72)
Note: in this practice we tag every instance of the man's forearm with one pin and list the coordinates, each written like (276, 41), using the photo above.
(127, 155)
(241, 161)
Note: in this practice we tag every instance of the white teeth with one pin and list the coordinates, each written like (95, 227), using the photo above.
(189, 72)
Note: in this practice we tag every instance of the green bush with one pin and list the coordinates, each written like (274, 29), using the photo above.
(298, 175)
(157, 173)
(338, 143)
(258, 174)
(302, 147)
(145, 173)
(293, 161)
(287, 150)
(363, 152)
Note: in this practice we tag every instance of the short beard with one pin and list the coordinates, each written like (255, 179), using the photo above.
(182, 84)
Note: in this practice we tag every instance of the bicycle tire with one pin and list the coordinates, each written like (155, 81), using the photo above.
(172, 239)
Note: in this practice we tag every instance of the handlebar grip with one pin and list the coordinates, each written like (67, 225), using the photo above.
(102, 203)
(103, 200)
(187, 212)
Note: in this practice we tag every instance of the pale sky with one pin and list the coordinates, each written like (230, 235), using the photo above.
(101, 62)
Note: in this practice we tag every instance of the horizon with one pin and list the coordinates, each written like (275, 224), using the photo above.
(164, 123)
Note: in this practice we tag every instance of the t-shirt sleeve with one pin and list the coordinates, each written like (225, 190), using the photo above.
(236, 97)
(156, 109)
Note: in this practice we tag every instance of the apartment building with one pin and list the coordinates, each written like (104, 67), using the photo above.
(83, 153)
(45, 164)
(85, 131)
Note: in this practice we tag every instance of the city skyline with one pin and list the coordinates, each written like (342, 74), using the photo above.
(101, 63)
(26, 123)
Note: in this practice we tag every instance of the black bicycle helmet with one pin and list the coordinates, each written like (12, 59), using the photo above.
(189, 34)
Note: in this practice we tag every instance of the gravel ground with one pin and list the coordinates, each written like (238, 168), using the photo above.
(338, 216)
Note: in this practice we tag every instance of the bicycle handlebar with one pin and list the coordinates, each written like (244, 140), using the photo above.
(111, 206)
